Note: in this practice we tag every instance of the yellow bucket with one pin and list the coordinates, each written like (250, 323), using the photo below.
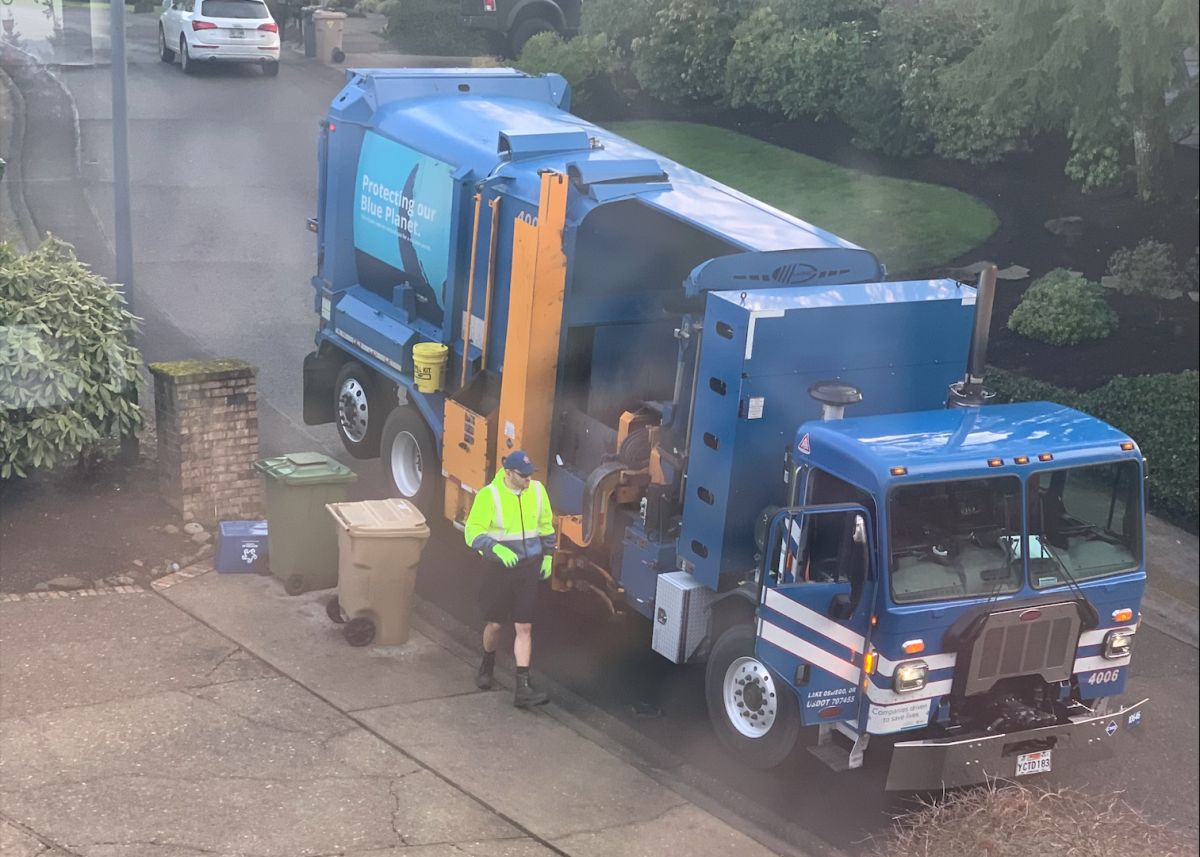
(429, 366)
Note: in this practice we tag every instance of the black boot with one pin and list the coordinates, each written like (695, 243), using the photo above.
(484, 680)
(525, 695)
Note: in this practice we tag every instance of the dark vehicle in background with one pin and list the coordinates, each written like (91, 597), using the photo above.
(509, 24)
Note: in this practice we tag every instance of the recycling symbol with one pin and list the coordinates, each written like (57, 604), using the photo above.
(249, 553)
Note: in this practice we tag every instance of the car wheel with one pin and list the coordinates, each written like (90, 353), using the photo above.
(525, 31)
(755, 714)
(361, 406)
(185, 59)
(164, 53)
(408, 454)
(271, 69)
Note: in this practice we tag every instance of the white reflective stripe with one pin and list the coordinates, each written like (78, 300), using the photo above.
(812, 619)
(497, 510)
(1099, 662)
(1095, 638)
(934, 662)
(809, 652)
(506, 537)
(887, 696)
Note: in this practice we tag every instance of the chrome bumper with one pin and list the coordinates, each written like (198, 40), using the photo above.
(949, 762)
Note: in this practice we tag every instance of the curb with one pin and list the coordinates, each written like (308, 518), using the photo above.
(1171, 616)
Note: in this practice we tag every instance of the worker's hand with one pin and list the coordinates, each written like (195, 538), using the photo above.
(547, 567)
(505, 556)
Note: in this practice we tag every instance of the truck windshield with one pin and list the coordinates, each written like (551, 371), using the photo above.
(1084, 520)
(959, 539)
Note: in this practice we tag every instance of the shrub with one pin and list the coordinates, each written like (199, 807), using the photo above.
(1095, 165)
(796, 71)
(683, 56)
(620, 21)
(431, 28)
(1014, 821)
(1148, 270)
(1160, 412)
(1063, 310)
(65, 359)
(579, 60)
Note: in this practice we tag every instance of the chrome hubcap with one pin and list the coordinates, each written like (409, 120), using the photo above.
(406, 464)
(353, 413)
(750, 697)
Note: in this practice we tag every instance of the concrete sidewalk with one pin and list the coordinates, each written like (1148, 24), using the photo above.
(222, 716)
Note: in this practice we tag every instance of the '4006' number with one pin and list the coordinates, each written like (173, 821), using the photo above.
(1104, 676)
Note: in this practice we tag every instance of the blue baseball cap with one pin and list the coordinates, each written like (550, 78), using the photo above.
(519, 462)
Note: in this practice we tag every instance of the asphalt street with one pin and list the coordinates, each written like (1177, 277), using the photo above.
(223, 170)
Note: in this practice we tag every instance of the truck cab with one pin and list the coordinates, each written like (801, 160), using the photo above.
(972, 576)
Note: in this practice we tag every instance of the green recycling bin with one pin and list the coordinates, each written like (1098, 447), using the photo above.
(302, 542)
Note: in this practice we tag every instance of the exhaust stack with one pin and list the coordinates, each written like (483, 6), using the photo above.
(834, 396)
(970, 392)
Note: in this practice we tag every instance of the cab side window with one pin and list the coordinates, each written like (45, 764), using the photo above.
(826, 547)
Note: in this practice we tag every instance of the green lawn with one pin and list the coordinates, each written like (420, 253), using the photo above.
(908, 225)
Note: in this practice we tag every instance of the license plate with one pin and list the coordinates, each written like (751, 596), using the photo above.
(1033, 763)
(237, 34)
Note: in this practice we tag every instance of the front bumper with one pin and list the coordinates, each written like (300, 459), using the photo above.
(950, 762)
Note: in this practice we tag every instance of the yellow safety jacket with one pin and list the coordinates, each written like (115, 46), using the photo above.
(523, 523)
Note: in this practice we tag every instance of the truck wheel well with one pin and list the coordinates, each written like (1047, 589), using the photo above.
(733, 608)
(538, 9)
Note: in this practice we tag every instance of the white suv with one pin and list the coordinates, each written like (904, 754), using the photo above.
(218, 31)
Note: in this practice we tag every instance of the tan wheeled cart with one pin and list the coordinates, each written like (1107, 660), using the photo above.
(379, 547)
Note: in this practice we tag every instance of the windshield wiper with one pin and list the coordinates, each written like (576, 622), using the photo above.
(1092, 616)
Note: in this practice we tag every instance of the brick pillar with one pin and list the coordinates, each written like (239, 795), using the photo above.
(207, 412)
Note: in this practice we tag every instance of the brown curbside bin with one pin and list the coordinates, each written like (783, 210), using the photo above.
(379, 547)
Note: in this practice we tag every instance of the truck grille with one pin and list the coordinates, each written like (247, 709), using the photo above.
(1042, 643)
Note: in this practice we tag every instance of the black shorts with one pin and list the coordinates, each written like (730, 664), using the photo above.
(510, 594)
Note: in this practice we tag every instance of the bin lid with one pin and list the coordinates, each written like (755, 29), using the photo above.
(305, 468)
(243, 529)
(328, 15)
(380, 518)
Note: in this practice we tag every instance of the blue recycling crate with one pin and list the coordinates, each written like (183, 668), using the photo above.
(241, 547)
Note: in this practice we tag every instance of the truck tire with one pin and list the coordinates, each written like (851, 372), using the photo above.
(409, 456)
(361, 409)
(755, 714)
(526, 30)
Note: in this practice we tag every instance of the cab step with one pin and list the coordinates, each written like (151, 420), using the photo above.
(833, 753)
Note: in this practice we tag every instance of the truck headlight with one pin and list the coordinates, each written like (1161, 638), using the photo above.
(909, 676)
(1118, 644)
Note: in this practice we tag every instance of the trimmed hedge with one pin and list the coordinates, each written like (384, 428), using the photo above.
(580, 60)
(1158, 411)
(1063, 310)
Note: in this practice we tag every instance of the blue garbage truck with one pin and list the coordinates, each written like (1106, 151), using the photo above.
(786, 462)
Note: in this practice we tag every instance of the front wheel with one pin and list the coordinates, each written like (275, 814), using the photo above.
(164, 53)
(756, 716)
(408, 453)
(361, 405)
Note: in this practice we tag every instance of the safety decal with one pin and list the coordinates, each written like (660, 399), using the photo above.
(1111, 728)
(804, 445)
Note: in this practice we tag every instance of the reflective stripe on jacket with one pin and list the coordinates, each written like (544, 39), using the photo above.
(523, 523)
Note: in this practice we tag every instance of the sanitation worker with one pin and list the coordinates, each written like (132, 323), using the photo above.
(512, 528)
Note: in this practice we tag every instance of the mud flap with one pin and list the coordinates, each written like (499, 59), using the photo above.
(320, 374)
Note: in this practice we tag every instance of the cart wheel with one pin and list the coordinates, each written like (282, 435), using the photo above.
(294, 585)
(333, 609)
(359, 631)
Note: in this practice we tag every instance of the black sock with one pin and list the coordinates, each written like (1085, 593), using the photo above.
(522, 670)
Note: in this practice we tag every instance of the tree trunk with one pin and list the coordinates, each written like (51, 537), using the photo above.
(1153, 154)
